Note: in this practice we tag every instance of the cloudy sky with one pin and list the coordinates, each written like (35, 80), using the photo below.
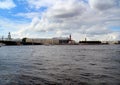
(94, 19)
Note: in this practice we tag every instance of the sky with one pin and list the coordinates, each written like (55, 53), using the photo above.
(91, 19)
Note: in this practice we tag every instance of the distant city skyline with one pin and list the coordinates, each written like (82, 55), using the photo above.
(91, 19)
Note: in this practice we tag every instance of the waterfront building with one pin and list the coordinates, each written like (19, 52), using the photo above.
(45, 41)
(89, 42)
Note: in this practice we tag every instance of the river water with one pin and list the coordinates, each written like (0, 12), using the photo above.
(60, 65)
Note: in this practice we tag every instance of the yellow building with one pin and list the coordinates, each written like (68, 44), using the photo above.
(46, 41)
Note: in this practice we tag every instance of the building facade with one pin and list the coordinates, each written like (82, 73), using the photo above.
(53, 41)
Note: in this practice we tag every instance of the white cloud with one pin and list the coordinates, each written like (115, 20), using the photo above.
(40, 3)
(7, 4)
(63, 17)
(16, 28)
(97, 30)
(29, 15)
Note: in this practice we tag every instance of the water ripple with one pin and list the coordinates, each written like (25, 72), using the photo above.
(60, 65)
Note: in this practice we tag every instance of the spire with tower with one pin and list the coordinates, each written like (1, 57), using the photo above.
(85, 39)
(9, 36)
(70, 37)
(72, 42)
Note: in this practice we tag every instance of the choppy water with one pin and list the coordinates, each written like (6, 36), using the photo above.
(60, 65)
